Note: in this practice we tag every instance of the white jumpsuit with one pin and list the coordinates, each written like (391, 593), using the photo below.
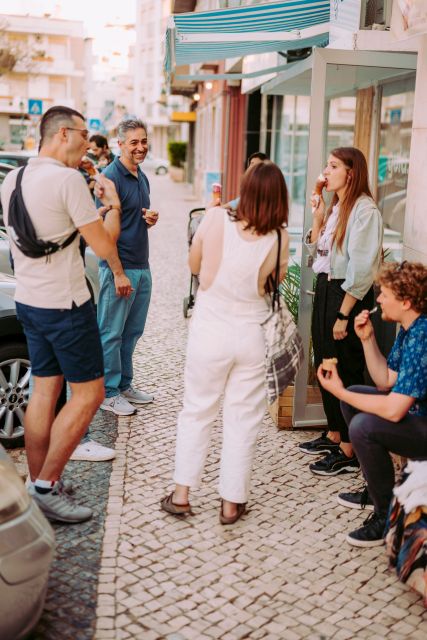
(225, 354)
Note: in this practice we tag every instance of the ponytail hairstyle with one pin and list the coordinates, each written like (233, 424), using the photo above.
(357, 185)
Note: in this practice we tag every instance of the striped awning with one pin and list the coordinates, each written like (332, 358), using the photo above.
(231, 33)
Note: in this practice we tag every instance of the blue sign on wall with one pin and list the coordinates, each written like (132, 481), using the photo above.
(35, 107)
(395, 116)
(94, 124)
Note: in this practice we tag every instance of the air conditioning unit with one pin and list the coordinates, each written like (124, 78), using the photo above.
(375, 12)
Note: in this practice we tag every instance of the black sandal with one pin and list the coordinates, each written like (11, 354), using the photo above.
(169, 506)
(241, 510)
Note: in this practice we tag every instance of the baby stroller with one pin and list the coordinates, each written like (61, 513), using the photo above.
(194, 219)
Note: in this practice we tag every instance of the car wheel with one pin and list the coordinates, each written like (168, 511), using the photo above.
(161, 171)
(15, 371)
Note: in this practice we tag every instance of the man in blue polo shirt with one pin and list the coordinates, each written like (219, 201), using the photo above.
(121, 318)
(393, 416)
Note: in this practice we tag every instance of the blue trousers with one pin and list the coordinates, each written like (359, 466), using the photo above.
(121, 323)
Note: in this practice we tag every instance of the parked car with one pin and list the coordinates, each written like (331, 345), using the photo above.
(4, 170)
(160, 166)
(27, 545)
(17, 158)
(15, 368)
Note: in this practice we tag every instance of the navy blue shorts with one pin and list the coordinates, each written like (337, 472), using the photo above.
(63, 341)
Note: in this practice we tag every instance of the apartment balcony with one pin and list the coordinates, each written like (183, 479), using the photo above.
(14, 105)
(48, 65)
(18, 105)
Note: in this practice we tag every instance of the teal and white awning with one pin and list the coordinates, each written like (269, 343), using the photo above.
(231, 33)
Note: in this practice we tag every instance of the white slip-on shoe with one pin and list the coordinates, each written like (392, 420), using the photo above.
(137, 396)
(92, 451)
(118, 405)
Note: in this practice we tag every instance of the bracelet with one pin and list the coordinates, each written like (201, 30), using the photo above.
(113, 206)
(341, 316)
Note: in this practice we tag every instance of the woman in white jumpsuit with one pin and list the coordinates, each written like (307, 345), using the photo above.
(233, 254)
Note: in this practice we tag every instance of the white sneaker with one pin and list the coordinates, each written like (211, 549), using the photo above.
(92, 451)
(136, 396)
(118, 405)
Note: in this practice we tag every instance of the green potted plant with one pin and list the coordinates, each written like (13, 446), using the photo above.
(177, 152)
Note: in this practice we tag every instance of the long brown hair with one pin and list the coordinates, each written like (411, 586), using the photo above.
(357, 185)
(263, 204)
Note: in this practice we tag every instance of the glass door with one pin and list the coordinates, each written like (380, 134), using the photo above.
(335, 120)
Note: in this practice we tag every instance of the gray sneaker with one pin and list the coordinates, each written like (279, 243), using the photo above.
(137, 396)
(118, 405)
(59, 506)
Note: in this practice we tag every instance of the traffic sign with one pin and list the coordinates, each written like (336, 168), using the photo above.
(35, 107)
(395, 116)
(94, 124)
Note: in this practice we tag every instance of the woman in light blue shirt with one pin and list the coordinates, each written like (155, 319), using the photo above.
(346, 243)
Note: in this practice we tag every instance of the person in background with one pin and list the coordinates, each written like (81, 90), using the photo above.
(346, 243)
(253, 159)
(122, 320)
(99, 151)
(391, 417)
(234, 253)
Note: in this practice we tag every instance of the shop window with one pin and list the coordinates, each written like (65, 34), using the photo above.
(393, 159)
(289, 123)
(342, 112)
(253, 124)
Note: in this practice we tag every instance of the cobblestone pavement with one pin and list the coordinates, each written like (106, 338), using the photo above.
(284, 571)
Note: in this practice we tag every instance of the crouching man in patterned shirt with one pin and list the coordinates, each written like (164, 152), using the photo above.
(391, 418)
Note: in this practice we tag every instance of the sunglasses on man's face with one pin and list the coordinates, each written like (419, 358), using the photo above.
(84, 132)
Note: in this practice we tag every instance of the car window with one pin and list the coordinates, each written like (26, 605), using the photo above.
(14, 162)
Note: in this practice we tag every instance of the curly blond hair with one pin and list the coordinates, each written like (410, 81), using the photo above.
(408, 281)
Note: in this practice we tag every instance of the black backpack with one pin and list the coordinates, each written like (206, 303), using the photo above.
(23, 232)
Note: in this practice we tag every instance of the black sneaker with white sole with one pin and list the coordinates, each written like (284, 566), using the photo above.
(356, 499)
(371, 534)
(334, 464)
(323, 444)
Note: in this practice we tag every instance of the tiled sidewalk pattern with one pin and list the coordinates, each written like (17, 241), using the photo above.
(284, 571)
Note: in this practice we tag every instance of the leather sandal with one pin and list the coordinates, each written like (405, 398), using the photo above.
(241, 510)
(169, 506)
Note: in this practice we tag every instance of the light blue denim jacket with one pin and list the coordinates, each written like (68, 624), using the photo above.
(359, 259)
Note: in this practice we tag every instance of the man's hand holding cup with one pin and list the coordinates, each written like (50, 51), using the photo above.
(150, 216)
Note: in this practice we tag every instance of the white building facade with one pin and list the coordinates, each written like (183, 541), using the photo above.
(50, 70)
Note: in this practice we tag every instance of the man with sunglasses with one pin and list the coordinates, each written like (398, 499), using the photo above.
(54, 306)
(391, 417)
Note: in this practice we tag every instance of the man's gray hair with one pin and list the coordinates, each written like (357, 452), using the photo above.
(129, 125)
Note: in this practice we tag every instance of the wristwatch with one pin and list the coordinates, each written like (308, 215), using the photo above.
(341, 316)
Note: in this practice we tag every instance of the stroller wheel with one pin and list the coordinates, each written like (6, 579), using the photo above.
(186, 306)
